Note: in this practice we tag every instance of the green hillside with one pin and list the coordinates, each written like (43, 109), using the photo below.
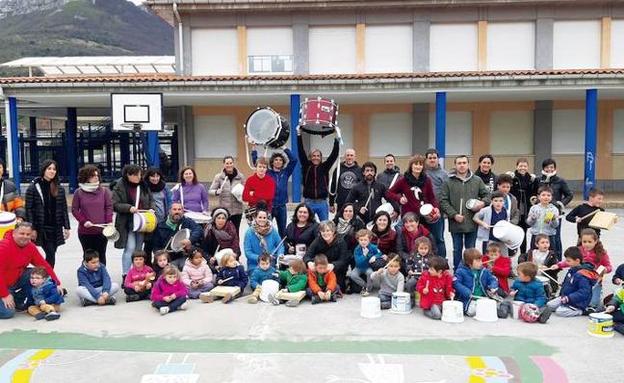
(80, 28)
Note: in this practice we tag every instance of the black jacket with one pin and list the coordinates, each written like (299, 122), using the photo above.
(316, 178)
(124, 220)
(523, 187)
(307, 236)
(336, 252)
(163, 233)
(349, 177)
(561, 191)
(359, 196)
(35, 212)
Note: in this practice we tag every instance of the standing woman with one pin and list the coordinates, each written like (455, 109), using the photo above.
(130, 195)
(160, 193)
(92, 204)
(523, 187)
(484, 172)
(190, 193)
(414, 189)
(46, 209)
(302, 229)
(222, 186)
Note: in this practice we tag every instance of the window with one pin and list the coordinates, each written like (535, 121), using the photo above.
(568, 131)
(511, 132)
(332, 50)
(389, 48)
(511, 46)
(215, 129)
(453, 47)
(617, 43)
(390, 133)
(458, 133)
(214, 51)
(576, 44)
(270, 50)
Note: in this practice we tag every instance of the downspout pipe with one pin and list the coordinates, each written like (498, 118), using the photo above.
(180, 37)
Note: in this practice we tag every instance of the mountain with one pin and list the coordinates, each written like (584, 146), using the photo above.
(81, 28)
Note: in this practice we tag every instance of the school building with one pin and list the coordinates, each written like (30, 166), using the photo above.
(512, 78)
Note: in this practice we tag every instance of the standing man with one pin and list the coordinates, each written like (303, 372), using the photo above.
(461, 187)
(315, 176)
(438, 177)
(350, 175)
(367, 195)
(391, 173)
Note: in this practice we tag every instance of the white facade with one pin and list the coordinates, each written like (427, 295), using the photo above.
(270, 50)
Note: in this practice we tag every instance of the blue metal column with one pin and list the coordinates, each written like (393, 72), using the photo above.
(13, 152)
(72, 152)
(295, 101)
(152, 150)
(591, 130)
(440, 126)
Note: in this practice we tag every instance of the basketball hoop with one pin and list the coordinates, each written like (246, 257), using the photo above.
(136, 127)
(137, 112)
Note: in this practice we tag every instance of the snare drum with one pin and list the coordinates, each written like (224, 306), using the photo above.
(429, 213)
(318, 115)
(267, 127)
(144, 221)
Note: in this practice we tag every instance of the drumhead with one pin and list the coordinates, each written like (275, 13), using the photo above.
(176, 242)
(263, 125)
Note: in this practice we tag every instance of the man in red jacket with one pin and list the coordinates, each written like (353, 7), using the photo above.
(16, 253)
(259, 187)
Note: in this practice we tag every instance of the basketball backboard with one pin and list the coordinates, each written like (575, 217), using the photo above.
(137, 111)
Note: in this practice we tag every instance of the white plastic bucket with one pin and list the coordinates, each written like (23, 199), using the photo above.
(269, 286)
(486, 310)
(516, 309)
(370, 307)
(401, 303)
(427, 212)
(452, 312)
(508, 233)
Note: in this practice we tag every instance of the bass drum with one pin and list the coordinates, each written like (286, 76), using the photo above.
(266, 127)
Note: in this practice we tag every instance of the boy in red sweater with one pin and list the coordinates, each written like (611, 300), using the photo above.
(259, 187)
(435, 286)
(498, 264)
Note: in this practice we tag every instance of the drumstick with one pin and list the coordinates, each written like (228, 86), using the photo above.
(278, 245)
(461, 206)
(370, 195)
(549, 277)
(102, 225)
(583, 218)
(392, 260)
(226, 279)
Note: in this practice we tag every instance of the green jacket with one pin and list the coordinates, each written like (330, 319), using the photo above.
(456, 191)
(294, 283)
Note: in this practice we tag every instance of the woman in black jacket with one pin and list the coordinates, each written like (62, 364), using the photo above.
(334, 247)
(485, 172)
(347, 224)
(46, 209)
(302, 230)
(523, 187)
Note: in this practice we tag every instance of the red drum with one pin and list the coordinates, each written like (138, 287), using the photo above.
(318, 115)
(429, 213)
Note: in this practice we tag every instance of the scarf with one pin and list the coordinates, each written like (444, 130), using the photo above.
(221, 235)
(343, 226)
(261, 233)
(89, 187)
(156, 188)
(410, 238)
(548, 175)
(231, 176)
(413, 181)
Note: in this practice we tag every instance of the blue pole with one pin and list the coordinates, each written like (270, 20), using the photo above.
(440, 126)
(295, 101)
(591, 129)
(15, 149)
(152, 151)
(72, 152)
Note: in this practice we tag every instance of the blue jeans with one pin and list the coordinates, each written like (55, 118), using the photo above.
(437, 229)
(134, 242)
(462, 241)
(320, 207)
(596, 295)
(557, 238)
(279, 213)
(20, 291)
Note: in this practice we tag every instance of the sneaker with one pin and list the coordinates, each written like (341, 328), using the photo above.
(274, 301)
(52, 315)
(86, 302)
(133, 298)
(589, 310)
(206, 298)
(332, 297)
(364, 293)
(40, 315)
(252, 299)
(111, 301)
(164, 310)
(227, 298)
(184, 306)
(316, 299)
(64, 291)
(293, 303)
(543, 318)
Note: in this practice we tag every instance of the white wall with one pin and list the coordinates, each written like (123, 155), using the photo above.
(458, 133)
(568, 131)
(326, 143)
(511, 132)
(511, 46)
(576, 44)
(390, 133)
(388, 48)
(332, 50)
(214, 51)
(453, 47)
(269, 41)
(618, 131)
(215, 136)
(617, 44)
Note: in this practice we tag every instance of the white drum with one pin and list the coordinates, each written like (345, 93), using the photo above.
(237, 192)
(370, 307)
(269, 286)
(452, 312)
(486, 310)
(387, 207)
(401, 303)
(471, 203)
(219, 254)
(266, 127)
(300, 250)
(508, 233)
(200, 218)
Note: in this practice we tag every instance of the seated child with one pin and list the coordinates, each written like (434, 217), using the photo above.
(576, 291)
(365, 254)
(295, 281)
(231, 274)
(618, 277)
(543, 218)
(44, 300)
(263, 272)
(543, 258)
(196, 274)
(161, 259)
(616, 308)
(526, 288)
(322, 285)
(169, 293)
(472, 281)
(435, 286)
(390, 281)
(94, 283)
(138, 282)
(488, 216)
(499, 265)
(418, 263)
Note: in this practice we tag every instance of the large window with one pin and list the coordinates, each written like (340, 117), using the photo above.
(618, 131)
(617, 44)
(389, 48)
(390, 133)
(458, 133)
(332, 50)
(215, 136)
(453, 47)
(270, 50)
(214, 51)
(576, 44)
(511, 132)
(568, 131)
(511, 46)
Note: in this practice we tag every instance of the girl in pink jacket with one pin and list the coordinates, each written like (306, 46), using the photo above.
(196, 274)
(138, 282)
(169, 293)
